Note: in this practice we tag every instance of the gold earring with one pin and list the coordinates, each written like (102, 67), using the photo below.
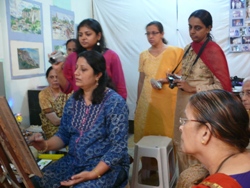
(203, 142)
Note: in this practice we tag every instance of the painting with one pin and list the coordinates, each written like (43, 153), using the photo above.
(62, 26)
(25, 17)
(61, 48)
(27, 59)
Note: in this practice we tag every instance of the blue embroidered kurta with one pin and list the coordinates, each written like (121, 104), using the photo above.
(94, 133)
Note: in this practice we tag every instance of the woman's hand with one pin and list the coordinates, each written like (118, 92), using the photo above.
(81, 177)
(184, 86)
(58, 67)
(37, 141)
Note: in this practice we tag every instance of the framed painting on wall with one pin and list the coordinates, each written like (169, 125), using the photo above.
(27, 59)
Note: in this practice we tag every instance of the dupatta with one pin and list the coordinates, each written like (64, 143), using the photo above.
(214, 58)
(218, 180)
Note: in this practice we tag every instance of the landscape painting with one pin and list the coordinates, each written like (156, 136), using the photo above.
(27, 59)
(25, 17)
(62, 25)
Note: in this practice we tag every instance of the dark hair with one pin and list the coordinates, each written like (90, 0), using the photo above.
(205, 18)
(98, 64)
(96, 27)
(225, 113)
(48, 71)
(70, 40)
(160, 28)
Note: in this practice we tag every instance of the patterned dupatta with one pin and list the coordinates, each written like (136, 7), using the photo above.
(215, 60)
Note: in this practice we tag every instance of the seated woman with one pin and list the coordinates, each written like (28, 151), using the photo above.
(95, 127)
(216, 133)
(51, 101)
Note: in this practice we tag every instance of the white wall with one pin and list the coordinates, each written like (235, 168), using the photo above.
(124, 22)
(16, 90)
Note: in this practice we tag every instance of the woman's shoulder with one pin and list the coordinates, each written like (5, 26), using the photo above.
(213, 45)
(44, 91)
(109, 52)
(113, 96)
(110, 55)
(144, 53)
(174, 49)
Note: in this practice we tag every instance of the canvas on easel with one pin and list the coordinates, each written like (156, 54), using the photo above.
(15, 147)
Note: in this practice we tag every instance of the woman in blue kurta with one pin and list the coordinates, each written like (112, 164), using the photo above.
(95, 127)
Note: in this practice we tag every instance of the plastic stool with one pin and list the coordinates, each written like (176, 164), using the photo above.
(162, 173)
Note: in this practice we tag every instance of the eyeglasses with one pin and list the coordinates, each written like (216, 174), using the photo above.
(152, 33)
(184, 120)
(246, 93)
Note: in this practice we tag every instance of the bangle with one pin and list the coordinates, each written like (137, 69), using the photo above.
(45, 149)
(97, 173)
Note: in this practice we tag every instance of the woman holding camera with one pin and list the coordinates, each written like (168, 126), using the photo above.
(90, 37)
(204, 67)
(156, 105)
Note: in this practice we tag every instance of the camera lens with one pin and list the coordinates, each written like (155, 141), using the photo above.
(52, 60)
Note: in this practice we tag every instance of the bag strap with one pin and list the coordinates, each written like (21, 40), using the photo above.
(181, 59)
(200, 51)
(197, 57)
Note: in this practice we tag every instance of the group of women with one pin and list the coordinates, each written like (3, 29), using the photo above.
(94, 123)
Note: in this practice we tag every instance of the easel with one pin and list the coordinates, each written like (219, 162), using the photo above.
(3, 175)
(13, 148)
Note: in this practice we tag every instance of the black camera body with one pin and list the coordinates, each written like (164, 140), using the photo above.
(171, 79)
(57, 57)
(171, 82)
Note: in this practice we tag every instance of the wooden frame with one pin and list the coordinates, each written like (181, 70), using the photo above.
(15, 147)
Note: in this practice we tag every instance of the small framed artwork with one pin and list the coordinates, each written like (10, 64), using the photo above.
(27, 59)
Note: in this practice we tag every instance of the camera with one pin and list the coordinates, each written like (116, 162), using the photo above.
(171, 79)
(57, 57)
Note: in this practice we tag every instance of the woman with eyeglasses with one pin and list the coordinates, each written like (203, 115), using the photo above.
(155, 100)
(215, 131)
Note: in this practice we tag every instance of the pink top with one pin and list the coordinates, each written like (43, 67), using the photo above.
(113, 68)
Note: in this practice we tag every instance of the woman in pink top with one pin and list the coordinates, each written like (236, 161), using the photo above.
(90, 37)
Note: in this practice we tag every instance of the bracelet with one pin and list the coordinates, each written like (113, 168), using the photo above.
(45, 149)
(97, 173)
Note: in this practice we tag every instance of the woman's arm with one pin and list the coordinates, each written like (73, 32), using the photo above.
(65, 72)
(97, 172)
(54, 143)
(54, 119)
(47, 108)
